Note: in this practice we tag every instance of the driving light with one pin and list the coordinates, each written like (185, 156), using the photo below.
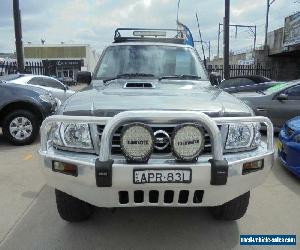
(137, 142)
(240, 136)
(188, 142)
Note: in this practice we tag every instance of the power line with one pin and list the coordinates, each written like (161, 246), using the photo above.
(250, 28)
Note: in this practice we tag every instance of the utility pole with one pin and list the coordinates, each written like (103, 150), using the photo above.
(252, 29)
(219, 33)
(269, 3)
(18, 35)
(209, 51)
(226, 39)
(255, 37)
(178, 6)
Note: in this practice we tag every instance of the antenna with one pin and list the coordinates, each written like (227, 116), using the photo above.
(201, 41)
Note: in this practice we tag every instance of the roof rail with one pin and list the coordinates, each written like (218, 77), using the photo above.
(123, 35)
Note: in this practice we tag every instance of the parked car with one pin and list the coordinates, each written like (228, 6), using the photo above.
(67, 81)
(153, 131)
(55, 87)
(280, 103)
(246, 84)
(289, 146)
(22, 110)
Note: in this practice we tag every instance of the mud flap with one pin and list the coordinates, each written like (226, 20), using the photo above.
(103, 172)
(219, 172)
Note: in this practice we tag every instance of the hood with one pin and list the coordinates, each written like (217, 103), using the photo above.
(294, 124)
(109, 100)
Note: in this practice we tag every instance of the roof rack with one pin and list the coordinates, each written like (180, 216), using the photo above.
(148, 35)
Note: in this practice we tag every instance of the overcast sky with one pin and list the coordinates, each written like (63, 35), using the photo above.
(93, 21)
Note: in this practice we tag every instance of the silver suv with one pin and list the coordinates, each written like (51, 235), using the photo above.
(151, 130)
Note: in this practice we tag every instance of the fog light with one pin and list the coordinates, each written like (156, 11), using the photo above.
(137, 142)
(65, 168)
(253, 166)
(188, 142)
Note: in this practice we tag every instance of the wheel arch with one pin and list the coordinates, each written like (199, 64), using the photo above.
(21, 105)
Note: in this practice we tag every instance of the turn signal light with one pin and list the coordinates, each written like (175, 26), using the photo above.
(65, 168)
(253, 166)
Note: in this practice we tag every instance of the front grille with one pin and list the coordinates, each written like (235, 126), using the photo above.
(166, 197)
(116, 148)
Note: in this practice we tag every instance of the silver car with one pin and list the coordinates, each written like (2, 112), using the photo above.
(55, 87)
(280, 103)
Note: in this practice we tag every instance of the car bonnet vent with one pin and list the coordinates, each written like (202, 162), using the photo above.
(138, 85)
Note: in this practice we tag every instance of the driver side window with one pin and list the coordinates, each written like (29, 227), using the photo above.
(293, 93)
(48, 82)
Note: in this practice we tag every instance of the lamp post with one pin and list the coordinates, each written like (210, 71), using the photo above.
(178, 6)
(226, 39)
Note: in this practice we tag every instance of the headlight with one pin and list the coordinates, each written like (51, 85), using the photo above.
(243, 136)
(47, 98)
(297, 138)
(137, 142)
(188, 142)
(71, 135)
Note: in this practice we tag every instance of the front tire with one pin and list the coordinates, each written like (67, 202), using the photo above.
(20, 127)
(232, 210)
(72, 209)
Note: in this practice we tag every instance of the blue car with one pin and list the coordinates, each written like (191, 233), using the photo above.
(289, 145)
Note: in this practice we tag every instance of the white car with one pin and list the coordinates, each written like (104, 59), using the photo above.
(55, 87)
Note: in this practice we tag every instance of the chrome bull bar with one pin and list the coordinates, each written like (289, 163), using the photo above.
(104, 162)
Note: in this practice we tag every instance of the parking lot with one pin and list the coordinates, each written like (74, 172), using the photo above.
(29, 219)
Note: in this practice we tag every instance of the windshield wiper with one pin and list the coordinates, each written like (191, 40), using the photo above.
(184, 77)
(131, 75)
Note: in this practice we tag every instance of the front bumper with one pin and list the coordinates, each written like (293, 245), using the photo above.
(84, 185)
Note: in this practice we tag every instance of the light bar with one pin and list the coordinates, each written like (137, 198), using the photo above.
(150, 33)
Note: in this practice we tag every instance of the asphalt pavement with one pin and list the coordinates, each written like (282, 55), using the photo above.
(29, 220)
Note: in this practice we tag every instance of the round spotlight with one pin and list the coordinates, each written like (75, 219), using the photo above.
(188, 142)
(137, 142)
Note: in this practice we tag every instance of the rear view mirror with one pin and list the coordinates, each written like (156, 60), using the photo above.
(215, 78)
(282, 97)
(84, 77)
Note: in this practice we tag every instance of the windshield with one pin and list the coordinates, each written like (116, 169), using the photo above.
(149, 59)
(276, 88)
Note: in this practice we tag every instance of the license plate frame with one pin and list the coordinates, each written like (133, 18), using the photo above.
(160, 170)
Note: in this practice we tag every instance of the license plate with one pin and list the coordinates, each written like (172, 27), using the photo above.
(141, 176)
(279, 145)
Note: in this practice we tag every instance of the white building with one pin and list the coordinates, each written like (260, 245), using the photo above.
(62, 60)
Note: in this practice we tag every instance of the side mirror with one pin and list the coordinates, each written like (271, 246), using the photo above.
(282, 97)
(215, 78)
(84, 77)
